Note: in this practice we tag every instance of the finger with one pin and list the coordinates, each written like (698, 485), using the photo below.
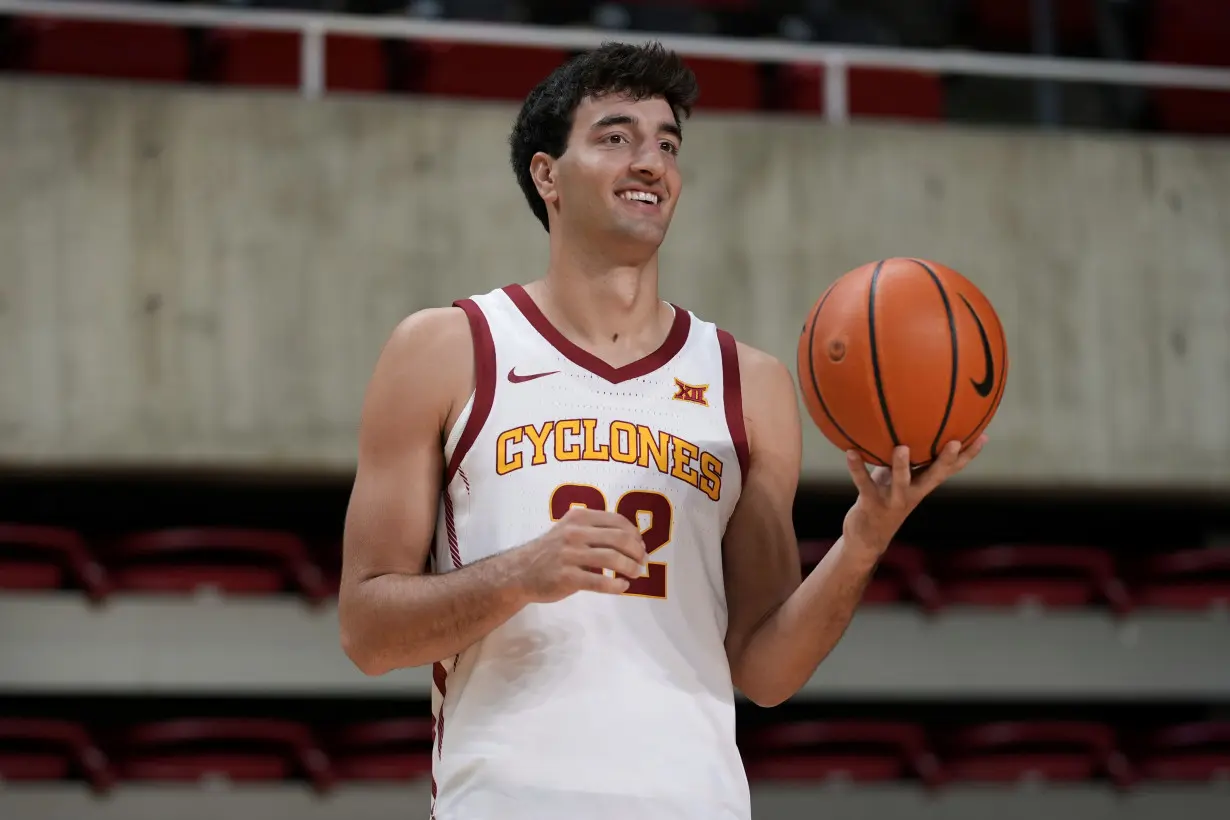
(630, 544)
(600, 518)
(601, 558)
(858, 472)
(941, 469)
(599, 583)
(901, 474)
(970, 453)
(948, 457)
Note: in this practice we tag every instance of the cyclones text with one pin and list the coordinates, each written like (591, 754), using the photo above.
(621, 441)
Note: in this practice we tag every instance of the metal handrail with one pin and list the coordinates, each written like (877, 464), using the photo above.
(836, 59)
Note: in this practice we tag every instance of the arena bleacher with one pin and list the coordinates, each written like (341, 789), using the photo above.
(178, 632)
(168, 638)
(1175, 32)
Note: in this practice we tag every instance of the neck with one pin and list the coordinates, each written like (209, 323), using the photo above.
(604, 304)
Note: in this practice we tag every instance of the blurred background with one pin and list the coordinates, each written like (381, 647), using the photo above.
(212, 216)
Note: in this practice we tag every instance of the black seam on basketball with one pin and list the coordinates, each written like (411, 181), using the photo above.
(875, 356)
(815, 385)
(952, 384)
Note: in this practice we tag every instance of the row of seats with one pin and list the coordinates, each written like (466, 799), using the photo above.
(1181, 32)
(249, 749)
(1010, 23)
(1185, 31)
(267, 59)
(1192, 32)
(231, 561)
(1046, 575)
(256, 562)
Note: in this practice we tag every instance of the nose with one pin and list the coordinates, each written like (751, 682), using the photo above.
(649, 162)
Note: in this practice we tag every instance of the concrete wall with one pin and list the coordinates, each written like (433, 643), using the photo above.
(194, 277)
(276, 646)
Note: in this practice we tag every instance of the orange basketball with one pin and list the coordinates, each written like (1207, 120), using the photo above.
(902, 351)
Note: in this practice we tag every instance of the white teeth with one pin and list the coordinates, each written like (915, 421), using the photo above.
(642, 196)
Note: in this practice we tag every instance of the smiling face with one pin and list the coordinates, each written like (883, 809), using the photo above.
(619, 175)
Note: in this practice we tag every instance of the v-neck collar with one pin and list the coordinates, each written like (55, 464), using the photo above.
(645, 365)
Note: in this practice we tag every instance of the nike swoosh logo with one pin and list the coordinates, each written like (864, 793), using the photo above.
(515, 379)
(983, 387)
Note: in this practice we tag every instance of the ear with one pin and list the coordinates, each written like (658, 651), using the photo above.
(542, 171)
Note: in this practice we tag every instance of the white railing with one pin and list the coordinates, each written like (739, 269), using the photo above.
(835, 59)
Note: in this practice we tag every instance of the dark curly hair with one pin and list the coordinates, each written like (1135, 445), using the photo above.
(545, 120)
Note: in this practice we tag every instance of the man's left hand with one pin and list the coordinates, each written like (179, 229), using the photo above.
(887, 495)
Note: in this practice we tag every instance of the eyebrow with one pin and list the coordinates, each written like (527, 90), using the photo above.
(625, 119)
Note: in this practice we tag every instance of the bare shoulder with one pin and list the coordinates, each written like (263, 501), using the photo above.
(760, 369)
(425, 370)
(770, 403)
(430, 332)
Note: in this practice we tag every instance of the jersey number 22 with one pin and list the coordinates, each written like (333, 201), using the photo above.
(631, 506)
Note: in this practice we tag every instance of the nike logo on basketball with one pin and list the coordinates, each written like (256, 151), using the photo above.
(983, 387)
(515, 379)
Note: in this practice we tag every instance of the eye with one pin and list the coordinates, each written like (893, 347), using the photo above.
(616, 137)
(670, 147)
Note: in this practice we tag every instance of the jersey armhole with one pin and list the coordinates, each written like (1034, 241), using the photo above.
(484, 384)
(732, 398)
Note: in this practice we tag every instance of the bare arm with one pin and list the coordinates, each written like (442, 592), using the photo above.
(391, 614)
(780, 628)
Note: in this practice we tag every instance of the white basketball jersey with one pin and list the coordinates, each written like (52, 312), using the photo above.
(597, 707)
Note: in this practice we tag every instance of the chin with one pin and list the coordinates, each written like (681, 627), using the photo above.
(652, 235)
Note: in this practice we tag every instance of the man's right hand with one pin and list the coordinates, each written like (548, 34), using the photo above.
(571, 555)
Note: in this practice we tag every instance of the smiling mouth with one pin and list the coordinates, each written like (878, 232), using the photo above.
(641, 198)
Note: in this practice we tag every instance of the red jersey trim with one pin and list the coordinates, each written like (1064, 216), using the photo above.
(484, 384)
(733, 399)
(671, 346)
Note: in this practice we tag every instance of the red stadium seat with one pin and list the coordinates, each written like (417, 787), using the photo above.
(498, 72)
(1048, 750)
(714, 5)
(1192, 579)
(395, 750)
(42, 558)
(1052, 576)
(900, 577)
(50, 750)
(1193, 111)
(1010, 21)
(875, 93)
(727, 85)
(489, 72)
(1191, 32)
(1188, 752)
(1195, 28)
(850, 750)
(137, 51)
(237, 749)
(271, 59)
(812, 551)
(233, 561)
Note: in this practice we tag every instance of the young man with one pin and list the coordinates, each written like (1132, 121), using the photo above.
(603, 483)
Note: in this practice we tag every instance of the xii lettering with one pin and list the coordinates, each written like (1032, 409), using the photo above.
(694, 393)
